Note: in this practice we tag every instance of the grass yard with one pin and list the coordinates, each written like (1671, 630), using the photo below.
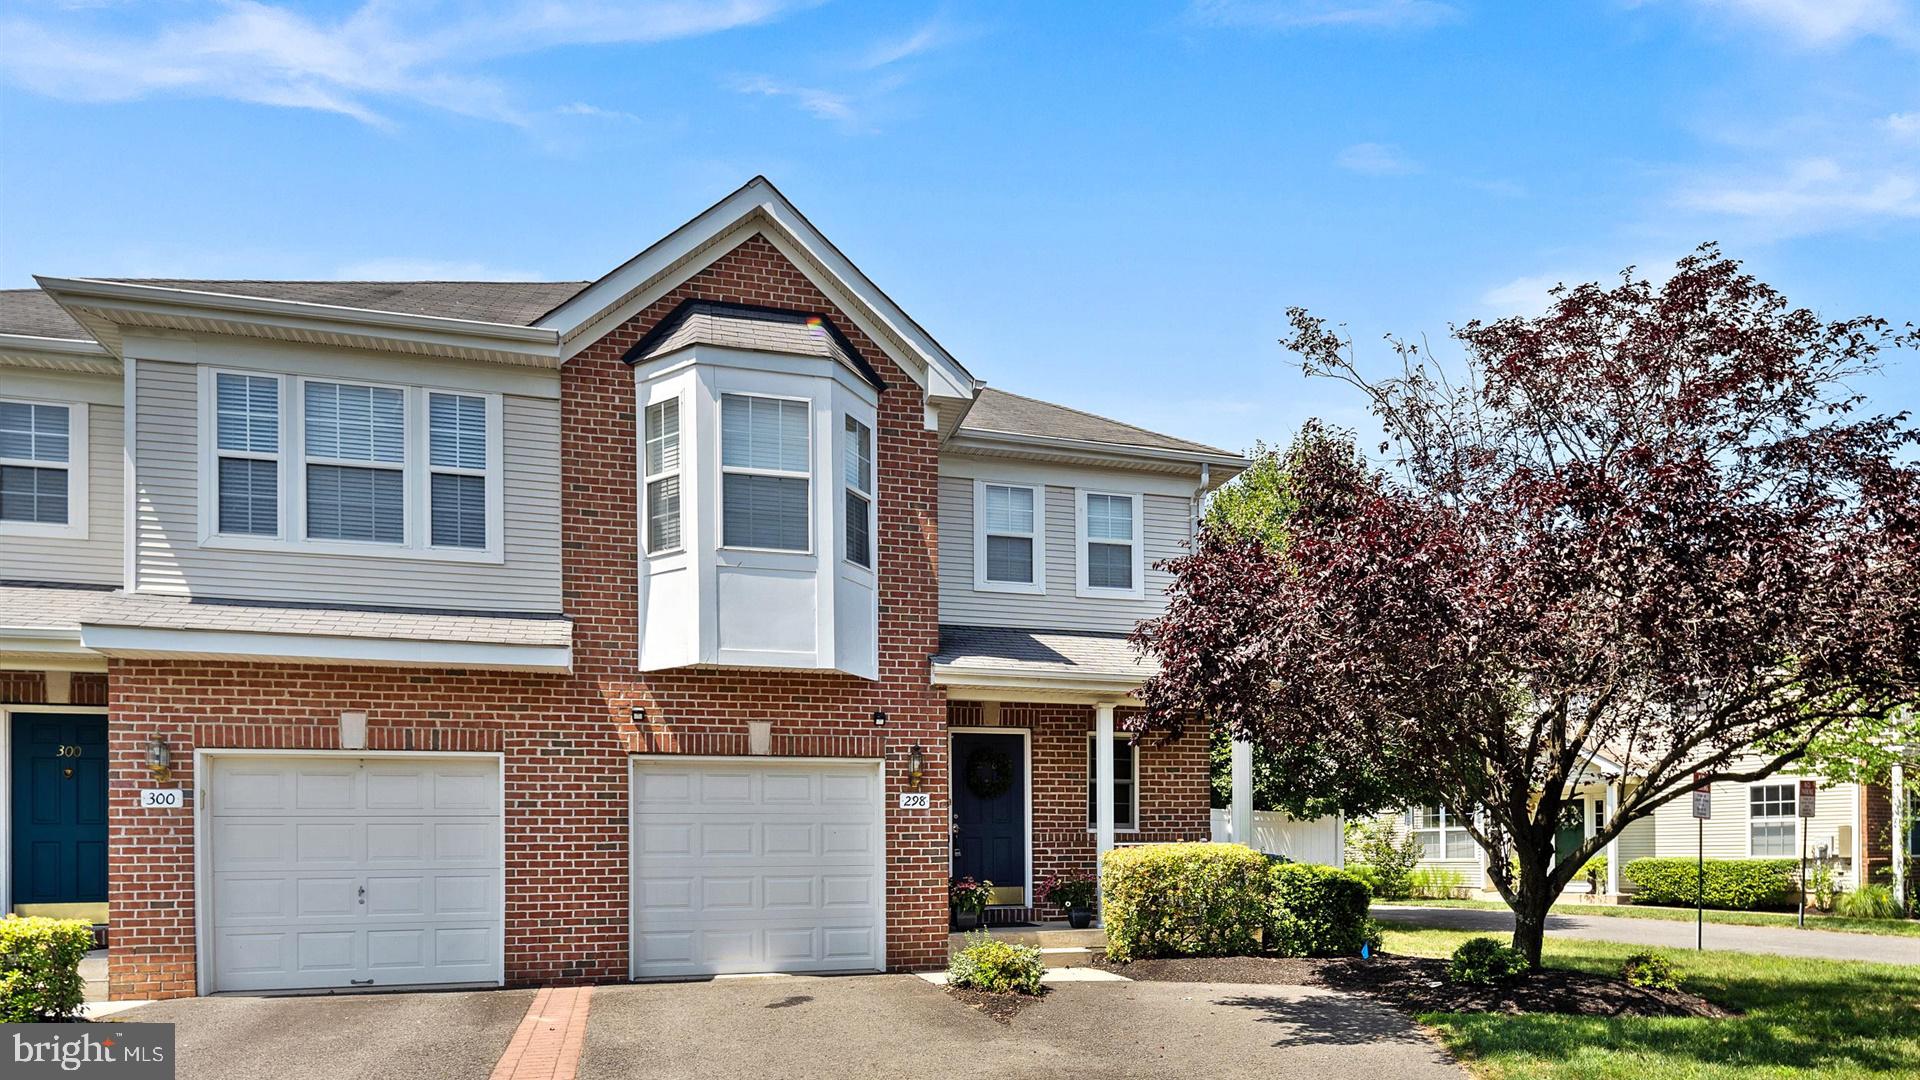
(1824, 1018)
(1890, 927)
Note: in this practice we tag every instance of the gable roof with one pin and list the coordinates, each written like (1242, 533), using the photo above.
(32, 313)
(753, 328)
(997, 412)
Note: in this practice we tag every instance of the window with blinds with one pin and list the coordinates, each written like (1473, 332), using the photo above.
(1108, 522)
(457, 469)
(36, 458)
(859, 490)
(765, 448)
(356, 452)
(662, 475)
(247, 452)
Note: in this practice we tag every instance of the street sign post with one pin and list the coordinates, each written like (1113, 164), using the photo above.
(1702, 810)
(1809, 790)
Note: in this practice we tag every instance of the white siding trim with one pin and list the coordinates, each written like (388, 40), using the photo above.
(132, 641)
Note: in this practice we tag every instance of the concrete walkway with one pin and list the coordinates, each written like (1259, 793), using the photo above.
(1779, 940)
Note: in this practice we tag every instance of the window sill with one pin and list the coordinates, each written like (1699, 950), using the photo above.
(44, 530)
(1089, 592)
(1035, 588)
(351, 549)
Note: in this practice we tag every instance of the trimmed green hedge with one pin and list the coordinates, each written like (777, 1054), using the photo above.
(1228, 900)
(1731, 884)
(40, 968)
(1317, 911)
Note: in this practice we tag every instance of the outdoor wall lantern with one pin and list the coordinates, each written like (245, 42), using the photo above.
(159, 759)
(879, 718)
(916, 767)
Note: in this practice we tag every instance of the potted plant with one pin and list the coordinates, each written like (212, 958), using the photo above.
(968, 899)
(1075, 891)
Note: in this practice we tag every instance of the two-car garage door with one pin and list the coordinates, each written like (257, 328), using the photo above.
(340, 872)
(751, 865)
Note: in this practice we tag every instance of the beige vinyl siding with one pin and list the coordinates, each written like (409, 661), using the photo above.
(1164, 523)
(171, 560)
(100, 558)
(1636, 841)
(1725, 835)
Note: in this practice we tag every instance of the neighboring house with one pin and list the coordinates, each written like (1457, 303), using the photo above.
(361, 634)
(1755, 820)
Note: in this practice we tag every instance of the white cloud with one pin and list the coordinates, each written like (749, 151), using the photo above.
(405, 269)
(1903, 125)
(1376, 159)
(933, 35)
(378, 54)
(1809, 195)
(1521, 296)
(812, 100)
(1822, 23)
(1298, 14)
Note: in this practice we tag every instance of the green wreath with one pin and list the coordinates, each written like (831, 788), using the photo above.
(989, 773)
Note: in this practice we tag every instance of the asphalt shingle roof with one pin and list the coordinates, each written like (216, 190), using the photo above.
(1015, 414)
(42, 607)
(1003, 651)
(34, 314)
(738, 326)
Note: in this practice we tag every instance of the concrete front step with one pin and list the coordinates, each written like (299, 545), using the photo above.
(1060, 945)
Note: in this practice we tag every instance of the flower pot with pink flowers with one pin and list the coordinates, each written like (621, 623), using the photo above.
(1075, 890)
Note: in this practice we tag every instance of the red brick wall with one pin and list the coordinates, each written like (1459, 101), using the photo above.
(1173, 795)
(30, 688)
(566, 738)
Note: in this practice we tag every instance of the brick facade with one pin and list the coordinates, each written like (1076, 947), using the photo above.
(1173, 796)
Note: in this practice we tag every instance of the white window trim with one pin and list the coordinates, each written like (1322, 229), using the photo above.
(720, 489)
(415, 467)
(1036, 587)
(1081, 588)
(1133, 788)
(869, 493)
(1792, 817)
(647, 478)
(1446, 826)
(78, 465)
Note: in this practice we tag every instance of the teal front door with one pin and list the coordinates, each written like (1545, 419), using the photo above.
(59, 822)
(1573, 829)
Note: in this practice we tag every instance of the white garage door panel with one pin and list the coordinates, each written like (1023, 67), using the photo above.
(756, 866)
(334, 872)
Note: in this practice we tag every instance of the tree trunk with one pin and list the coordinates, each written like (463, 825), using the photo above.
(1531, 900)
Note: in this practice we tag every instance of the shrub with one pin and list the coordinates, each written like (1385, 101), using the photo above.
(1393, 853)
(986, 963)
(40, 968)
(1868, 902)
(1437, 883)
(1192, 899)
(1316, 911)
(1650, 971)
(1733, 884)
(1367, 876)
(1485, 960)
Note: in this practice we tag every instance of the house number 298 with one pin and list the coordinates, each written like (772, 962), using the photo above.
(67, 751)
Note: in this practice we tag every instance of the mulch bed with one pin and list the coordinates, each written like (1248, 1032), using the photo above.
(1002, 1007)
(1417, 984)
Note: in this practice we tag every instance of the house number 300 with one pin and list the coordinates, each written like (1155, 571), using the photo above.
(67, 751)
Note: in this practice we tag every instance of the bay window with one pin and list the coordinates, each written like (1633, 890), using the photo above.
(43, 454)
(765, 450)
(859, 493)
(662, 476)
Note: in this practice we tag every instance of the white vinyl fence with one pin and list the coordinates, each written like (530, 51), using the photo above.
(1315, 841)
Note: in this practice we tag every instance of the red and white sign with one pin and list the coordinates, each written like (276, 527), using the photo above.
(1702, 797)
(1808, 789)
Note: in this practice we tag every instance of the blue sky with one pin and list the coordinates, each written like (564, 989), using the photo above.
(1105, 205)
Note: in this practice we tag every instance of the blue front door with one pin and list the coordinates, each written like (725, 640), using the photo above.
(59, 808)
(990, 812)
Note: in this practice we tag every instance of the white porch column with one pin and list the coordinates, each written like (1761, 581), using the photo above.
(1899, 820)
(1243, 793)
(1613, 845)
(1102, 788)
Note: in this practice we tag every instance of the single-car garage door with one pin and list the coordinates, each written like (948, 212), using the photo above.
(353, 871)
(757, 865)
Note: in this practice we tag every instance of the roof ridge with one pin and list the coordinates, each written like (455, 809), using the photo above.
(357, 281)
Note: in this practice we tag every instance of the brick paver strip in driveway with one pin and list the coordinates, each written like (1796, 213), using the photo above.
(1778, 940)
(547, 1044)
(345, 1037)
(892, 1026)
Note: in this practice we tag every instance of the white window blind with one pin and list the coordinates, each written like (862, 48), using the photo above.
(247, 451)
(457, 468)
(35, 457)
(1011, 533)
(1110, 541)
(859, 489)
(765, 446)
(356, 438)
(662, 469)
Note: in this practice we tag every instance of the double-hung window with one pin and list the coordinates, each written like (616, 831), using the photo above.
(1126, 785)
(662, 475)
(457, 469)
(43, 453)
(1440, 835)
(765, 450)
(859, 493)
(1110, 562)
(1008, 538)
(1770, 826)
(356, 456)
(246, 448)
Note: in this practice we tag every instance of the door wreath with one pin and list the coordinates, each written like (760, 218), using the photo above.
(989, 773)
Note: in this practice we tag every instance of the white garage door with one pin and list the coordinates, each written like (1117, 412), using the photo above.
(757, 865)
(344, 872)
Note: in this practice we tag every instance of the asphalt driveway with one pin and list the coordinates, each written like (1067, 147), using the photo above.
(1779, 940)
(898, 1025)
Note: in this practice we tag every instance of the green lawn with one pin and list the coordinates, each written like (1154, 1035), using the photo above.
(1893, 927)
(1801, 1018)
